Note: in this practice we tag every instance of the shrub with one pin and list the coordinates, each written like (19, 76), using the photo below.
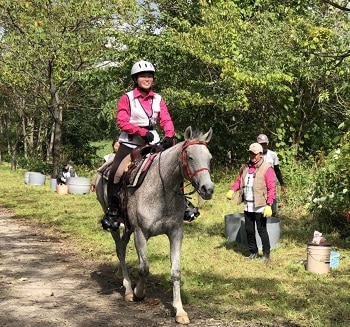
(33, 164)
(328, 198)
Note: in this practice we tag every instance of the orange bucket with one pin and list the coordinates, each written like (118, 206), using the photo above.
(62, 189)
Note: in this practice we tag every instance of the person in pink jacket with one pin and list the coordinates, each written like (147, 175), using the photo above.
(256, 185)
(137, 113)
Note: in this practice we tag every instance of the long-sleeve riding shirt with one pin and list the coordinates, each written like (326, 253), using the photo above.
(125, 115)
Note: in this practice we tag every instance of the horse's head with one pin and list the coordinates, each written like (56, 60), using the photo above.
(196, 162)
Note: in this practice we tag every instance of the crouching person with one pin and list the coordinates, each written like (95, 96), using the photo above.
(67, 172)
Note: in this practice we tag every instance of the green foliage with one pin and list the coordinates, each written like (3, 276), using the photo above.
(250, 67)
(329, 197)
(34, 164)
(50, 51)
(242, 68)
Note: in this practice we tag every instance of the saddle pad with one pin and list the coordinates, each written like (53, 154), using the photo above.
(139, 172)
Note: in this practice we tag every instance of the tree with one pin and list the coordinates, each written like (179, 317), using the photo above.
(55, 45)
(251, 67)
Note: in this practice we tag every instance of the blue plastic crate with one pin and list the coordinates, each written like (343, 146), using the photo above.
(334, 263)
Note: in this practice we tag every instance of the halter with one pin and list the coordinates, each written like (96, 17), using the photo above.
(185, 167)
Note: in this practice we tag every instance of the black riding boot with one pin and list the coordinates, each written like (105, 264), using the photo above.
(109, 220)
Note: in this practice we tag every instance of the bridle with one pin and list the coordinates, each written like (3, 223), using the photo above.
(185, 168)
(186, 172)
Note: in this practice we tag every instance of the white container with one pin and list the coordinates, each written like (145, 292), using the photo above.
(26, 177)
(36, 178)
(273, 227)
(233, 224)
(53, 184)
(79, 185)
(235, 230)
(318, 258)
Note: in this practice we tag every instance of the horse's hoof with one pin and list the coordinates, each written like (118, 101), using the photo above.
(138, 299)
(139, 296)
(183, 320)
(129, 297)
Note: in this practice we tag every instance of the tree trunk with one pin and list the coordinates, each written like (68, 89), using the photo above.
(57, 111)
(49, 150)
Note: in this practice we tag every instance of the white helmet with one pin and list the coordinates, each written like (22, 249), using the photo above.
(142, 66)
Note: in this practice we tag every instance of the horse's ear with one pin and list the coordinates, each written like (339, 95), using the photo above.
(188, 133)
(207, 136)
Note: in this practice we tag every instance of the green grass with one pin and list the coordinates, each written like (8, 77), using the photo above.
(215, 276)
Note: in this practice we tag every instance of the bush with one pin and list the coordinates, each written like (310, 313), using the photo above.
(33, 164)
(328, 199)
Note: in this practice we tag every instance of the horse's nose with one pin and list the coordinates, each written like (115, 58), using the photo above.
(207, 191)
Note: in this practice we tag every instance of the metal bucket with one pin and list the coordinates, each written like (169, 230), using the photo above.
(273, 227)
(79, 185)
(53, 184)
(233, 226)
(318, 258)
(36, 178)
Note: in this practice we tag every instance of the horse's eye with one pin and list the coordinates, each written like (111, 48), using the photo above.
(189, 158)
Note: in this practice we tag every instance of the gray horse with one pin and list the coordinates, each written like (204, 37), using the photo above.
(157, 207)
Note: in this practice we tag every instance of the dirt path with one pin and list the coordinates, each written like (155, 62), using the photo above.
(44, 283)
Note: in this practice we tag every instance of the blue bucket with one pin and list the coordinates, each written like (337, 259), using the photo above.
(334, 262)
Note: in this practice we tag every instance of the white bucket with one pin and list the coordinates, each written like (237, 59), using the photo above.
(318, 258)
(53, 184)
(79, 185)
(273, 227)
(26, 177)
(233, 226)
(36, 178)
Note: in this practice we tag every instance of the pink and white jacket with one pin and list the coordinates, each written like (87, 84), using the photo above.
(136, 115)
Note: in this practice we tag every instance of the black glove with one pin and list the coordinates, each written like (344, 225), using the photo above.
(167, 143)
(149, 137)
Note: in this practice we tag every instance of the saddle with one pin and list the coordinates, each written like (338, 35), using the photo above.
(133, 167)
(130, 174)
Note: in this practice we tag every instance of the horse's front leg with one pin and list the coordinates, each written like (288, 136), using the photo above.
(141, 248)
(175, 253)
(121, 244)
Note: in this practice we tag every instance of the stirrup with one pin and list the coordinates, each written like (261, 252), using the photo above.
(112, 213)
(108, 220)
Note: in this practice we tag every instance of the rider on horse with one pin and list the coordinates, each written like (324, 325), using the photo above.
(137, 113)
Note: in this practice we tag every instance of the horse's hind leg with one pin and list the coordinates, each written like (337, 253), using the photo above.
(121, 244)
(141, 246)
(175, 252)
